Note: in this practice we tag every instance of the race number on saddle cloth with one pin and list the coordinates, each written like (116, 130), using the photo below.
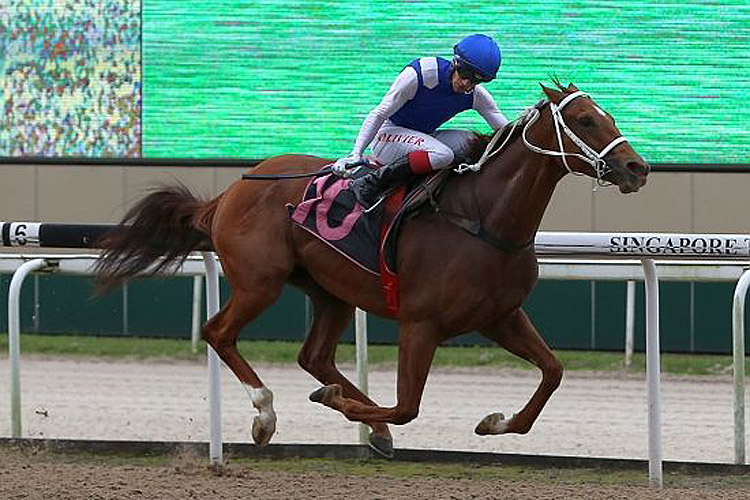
(329, 211)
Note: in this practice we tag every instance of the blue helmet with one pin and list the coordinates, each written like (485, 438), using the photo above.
(480, 54)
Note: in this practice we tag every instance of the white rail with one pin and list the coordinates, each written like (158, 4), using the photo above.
(738, 352)
(653, 373)
(645, 246)
(214, 367)
(22, 266)
(14, 340)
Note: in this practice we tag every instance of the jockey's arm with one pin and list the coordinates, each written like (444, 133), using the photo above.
(486, 106)
(402, 90)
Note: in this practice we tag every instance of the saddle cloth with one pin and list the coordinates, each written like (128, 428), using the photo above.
(329, 211)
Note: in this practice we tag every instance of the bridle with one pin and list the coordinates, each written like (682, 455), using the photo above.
(529, 117)
(590, 155)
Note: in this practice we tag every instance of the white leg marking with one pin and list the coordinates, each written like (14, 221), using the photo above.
(264, 425)
(262, 399)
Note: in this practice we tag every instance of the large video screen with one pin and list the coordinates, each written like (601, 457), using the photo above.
(252, 79)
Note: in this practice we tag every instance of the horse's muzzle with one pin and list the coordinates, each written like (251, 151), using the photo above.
(630, 176)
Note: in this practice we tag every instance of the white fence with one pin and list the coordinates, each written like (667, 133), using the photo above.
(713, 257)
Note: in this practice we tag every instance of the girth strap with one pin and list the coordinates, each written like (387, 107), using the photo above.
(475, 228)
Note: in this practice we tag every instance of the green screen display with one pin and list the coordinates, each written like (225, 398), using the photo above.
(259, 78)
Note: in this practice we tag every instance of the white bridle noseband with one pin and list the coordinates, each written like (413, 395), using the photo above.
(590, 155)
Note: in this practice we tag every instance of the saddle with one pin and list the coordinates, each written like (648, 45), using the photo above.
(329, 211)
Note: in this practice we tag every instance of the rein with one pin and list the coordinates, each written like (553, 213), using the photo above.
(488, 151)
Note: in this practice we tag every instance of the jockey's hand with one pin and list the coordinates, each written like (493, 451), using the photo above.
(341, 166)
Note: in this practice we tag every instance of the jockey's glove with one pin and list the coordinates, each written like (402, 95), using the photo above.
(341, 166)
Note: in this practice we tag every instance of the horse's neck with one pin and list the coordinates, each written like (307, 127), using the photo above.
(513, 192)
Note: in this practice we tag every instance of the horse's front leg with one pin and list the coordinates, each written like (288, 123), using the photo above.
(417, 344)
(331, 316)
(518, 335)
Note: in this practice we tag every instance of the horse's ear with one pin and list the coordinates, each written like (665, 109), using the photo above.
(552, 94)
(572, 88)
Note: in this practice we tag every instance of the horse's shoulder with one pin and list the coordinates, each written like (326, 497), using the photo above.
(457, 190)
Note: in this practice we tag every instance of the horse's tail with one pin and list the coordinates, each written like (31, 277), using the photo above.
(156, 234)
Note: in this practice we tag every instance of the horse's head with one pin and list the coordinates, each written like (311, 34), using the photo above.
(587, 141)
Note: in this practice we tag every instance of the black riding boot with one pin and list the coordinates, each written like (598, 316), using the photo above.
(368, 188)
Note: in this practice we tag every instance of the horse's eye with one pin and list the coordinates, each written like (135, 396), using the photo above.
(585, 121)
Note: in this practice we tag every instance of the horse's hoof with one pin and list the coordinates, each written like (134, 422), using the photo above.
(325, 395)
(494, 423)
(381, 444)
(317, 395)
(262, 434)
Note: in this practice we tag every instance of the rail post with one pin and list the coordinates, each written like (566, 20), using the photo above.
(738, 355)
(360, 333)
(653, 374)
(214, 367)
(14, 340)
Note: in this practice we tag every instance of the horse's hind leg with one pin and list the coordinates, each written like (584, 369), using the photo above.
(317, 356)
(221, 333)
(518, 335)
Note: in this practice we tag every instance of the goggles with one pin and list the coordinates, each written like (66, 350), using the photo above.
(467, 73)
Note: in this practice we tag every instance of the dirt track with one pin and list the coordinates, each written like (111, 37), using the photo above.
(591, 415)
(38, 478)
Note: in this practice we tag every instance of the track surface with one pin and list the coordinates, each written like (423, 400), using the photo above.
(592, 414)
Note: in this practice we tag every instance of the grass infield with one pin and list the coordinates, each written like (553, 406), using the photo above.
(383, 355)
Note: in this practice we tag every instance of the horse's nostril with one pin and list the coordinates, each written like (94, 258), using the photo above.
(638, 168)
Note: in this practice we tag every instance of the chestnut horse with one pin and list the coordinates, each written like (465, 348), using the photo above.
(451, 281)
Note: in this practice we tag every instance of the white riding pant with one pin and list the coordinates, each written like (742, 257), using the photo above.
(443, 146)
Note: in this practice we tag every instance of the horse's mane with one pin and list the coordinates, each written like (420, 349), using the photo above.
(479, 144)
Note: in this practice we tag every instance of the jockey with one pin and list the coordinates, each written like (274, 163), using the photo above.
(426, 94)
